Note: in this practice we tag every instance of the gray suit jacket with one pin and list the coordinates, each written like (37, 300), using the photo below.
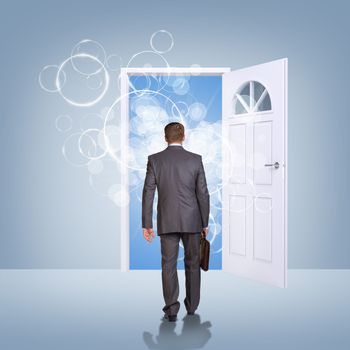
(183, 197)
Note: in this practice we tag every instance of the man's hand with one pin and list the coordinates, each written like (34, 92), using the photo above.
(147, 233)
(205, 231)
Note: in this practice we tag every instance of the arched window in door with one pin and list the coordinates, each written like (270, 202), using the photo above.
(251, 97)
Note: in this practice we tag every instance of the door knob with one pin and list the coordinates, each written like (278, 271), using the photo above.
(276, 165)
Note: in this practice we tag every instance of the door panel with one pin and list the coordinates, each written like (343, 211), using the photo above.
(254, 149)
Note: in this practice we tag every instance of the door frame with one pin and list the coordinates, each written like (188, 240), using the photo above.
(285, 168)
(125, 72)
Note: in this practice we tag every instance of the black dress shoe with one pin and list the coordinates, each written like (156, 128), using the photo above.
(171, 318)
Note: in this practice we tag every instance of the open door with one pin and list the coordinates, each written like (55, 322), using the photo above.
(254, 193)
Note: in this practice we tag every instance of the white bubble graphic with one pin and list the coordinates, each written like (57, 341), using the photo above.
(197, 111)
(89, 145)
(180, 106)
(89, 102)
(90, 48)
(196, 66)
(181, 86)
(148, 58)
(145, 84)
(162, 41)
(95, 166)
(105, 178)
(48, 76)
(112, 133)
(98, 144)
(119, 195)
(114, 62)
(71, 151)
(63, 123)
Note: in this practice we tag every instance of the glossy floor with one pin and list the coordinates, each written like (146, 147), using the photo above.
(108, 309)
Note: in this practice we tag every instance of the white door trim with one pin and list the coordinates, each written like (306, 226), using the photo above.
(286, 165)
(124, 127)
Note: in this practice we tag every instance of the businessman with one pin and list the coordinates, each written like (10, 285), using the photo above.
(182, 212)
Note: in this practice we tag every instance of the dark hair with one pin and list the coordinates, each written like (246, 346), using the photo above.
(174, 132)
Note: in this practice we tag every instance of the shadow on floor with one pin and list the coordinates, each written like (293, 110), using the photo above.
(194, 334)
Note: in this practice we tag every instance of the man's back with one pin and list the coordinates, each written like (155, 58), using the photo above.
(183, 198)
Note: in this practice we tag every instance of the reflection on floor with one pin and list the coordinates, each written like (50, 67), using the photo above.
(108, 309)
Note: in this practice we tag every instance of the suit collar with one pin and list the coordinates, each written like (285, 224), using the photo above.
(175, 147)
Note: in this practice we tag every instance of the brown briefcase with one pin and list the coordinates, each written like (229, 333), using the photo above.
(205, 251)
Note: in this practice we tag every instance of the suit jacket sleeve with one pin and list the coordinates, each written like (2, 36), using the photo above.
(202, 194)
(149, 188)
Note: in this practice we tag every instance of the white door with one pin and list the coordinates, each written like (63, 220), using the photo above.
(254, 208)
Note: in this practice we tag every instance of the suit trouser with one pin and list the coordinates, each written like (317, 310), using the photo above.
(170, 249)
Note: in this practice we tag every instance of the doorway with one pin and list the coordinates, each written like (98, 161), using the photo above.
(252, 193)
(193, 97)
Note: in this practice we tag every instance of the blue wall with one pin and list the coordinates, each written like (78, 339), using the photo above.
(52, 218)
